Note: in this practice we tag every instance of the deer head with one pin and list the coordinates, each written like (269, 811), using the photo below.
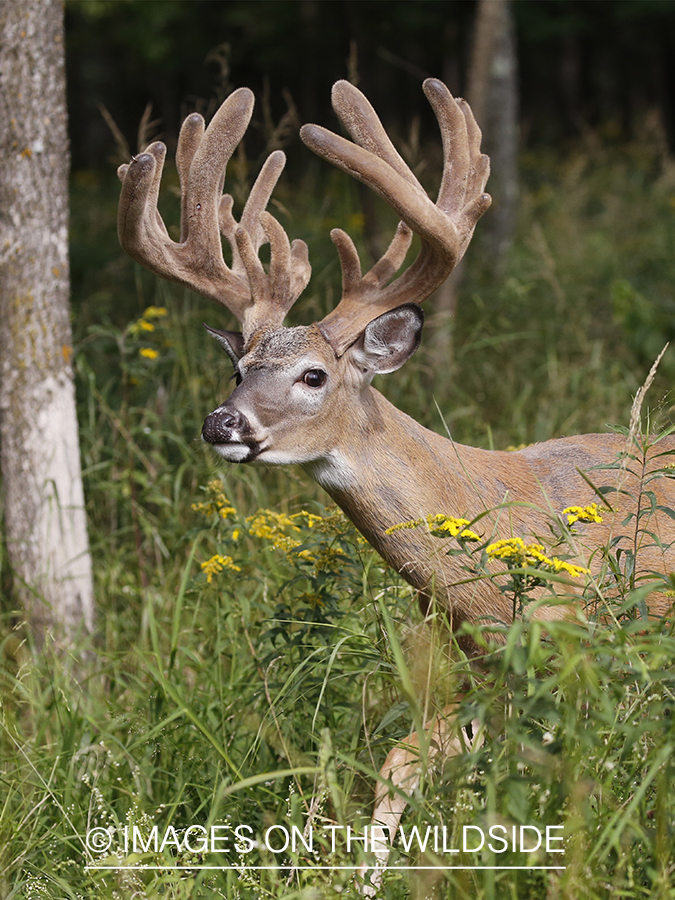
(311, 379)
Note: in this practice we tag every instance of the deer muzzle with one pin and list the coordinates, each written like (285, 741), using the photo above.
(229, 432)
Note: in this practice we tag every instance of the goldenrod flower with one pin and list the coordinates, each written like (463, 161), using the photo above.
(440, 525)
(154, 312)
(412, 523)
(217, 502)
(269, 525)
(145, 326)
(561, 565)
(286, 533)
(582, 514)
(217, 564)
(148, 353)
(311, 519)
(518, 554)
(516, 551)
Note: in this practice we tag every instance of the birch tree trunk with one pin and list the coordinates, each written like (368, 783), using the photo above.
(45, 524)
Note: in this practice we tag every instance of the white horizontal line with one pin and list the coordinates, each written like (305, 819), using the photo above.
(330, 868)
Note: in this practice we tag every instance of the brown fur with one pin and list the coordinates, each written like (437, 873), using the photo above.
(407, 472)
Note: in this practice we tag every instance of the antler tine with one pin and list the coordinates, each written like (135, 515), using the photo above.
(383, 270)
(445, 227)
(191, 134)
(202, 156)
(197, 260)
(272, 295)
(258, 198)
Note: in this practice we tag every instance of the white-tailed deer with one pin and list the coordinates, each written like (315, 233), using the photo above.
(303, 394)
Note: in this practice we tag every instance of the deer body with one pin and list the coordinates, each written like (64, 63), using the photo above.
(383, 468)
(304, 394)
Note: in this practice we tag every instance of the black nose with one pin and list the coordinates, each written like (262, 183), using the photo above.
(219, 425)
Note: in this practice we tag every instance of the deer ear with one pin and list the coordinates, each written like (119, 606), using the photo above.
(232, 342)
(390, 340)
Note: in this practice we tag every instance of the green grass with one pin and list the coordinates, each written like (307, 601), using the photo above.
(272, 694)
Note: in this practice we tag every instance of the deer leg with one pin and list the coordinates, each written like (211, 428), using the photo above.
(402, 769)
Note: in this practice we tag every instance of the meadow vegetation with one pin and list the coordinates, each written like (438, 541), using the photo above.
(255, 660)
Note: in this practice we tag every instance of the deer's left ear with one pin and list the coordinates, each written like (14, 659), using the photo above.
(390, 340)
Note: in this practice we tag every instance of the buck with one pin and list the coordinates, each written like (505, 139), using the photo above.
(304, 394)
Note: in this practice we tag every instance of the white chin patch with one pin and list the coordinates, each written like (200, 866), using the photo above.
(233, 452)
(333, 472)
(280, 457)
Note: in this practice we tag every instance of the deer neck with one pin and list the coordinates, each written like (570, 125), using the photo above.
(388, 469)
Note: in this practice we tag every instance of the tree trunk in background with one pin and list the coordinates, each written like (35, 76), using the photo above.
(45, 522)
(493, 95)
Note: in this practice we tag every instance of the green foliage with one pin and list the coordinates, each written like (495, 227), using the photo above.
(261, 693)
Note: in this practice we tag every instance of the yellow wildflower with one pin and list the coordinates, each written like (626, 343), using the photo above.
(217, 502)
(145, 323)
(327, 558)
(561, 565)
(311, 519)
(148, 353)
(440, 525)
(412, 523)
(286, 544)
(518, 554)
(154, 312)
(516, 551)
(286, 533)
(582, 514)
(272, 526)
(269, 525)
(217, 564)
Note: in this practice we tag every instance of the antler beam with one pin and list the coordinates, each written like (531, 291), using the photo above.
(445, 226)
(255, 297)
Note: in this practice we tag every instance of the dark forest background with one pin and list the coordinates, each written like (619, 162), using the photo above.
(582, 63)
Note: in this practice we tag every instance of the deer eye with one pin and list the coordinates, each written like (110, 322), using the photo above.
(314, 378)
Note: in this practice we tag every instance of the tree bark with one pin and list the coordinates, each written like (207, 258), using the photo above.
(493, 95)
(492, 92)
(45, 523)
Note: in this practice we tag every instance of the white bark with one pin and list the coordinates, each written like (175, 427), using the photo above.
(45, 522)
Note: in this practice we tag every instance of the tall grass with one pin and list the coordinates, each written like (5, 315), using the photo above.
(255, 666)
